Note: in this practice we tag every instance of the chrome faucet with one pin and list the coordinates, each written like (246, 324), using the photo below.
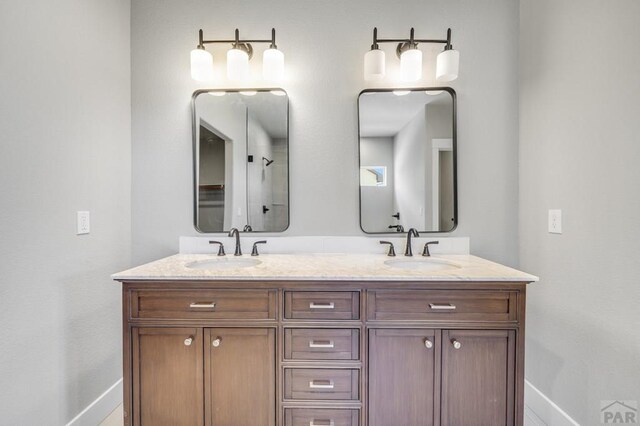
(412, 233)
(234, 232)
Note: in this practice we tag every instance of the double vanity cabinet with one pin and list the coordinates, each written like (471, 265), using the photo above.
(374, 348)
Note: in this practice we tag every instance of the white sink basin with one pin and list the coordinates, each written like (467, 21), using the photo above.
(422, 264)
(224, 263)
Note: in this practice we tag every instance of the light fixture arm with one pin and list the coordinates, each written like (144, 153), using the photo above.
(237, 39)
(411, 42)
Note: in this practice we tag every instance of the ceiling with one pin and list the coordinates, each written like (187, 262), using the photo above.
(383, 114)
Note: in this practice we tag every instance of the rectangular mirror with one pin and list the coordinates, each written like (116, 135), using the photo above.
(241, 160)
(407, 146)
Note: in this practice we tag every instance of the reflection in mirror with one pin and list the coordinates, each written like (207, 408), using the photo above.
(407, 160)
(241, 160)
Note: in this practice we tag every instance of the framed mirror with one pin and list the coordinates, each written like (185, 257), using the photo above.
(407, 158)
(241, 160)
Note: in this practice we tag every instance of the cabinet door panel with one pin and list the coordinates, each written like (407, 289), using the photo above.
(402, 378)
(240, 377)
(167, 376)
(478, 377)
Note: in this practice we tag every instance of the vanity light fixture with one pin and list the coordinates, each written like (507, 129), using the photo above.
(237, 59)
(411, 59)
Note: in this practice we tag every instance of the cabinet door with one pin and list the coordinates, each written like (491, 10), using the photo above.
(478, 377)
(402, 378)
(167, 376)
(240, 379)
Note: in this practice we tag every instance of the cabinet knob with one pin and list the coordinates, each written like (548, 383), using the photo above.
(188, 341)
(456, 344)
(428, 343)
(216, 342)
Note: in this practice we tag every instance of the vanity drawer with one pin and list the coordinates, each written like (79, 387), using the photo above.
(435, 305)
(322, 384)
(321, 344)
(322, 305)
(321, 417)
(204, 304)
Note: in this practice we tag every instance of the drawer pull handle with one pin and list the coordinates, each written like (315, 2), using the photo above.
(456, 344)
(216, 342)
(314, 305)
(202, 305)
(442, 306)
(428, 343)
(321, 384)
(315, 422)
(188, 341)
(321, 344)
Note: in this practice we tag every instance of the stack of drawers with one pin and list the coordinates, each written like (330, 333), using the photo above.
(322, 358)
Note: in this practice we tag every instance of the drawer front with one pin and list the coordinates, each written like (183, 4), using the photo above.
(436, 305)
(322, 384)
(321, 344)
(321, 417)
(204, 304)
(322, 305)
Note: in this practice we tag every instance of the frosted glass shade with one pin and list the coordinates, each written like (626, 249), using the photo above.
(272, 65)
(374, 65)
(237, 65)
(201, 65)
(447, 65)
(411, 65)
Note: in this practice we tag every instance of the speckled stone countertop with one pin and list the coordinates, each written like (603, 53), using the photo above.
(332, 267)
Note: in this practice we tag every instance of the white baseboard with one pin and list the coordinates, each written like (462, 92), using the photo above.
(99, 409)
(541, 411)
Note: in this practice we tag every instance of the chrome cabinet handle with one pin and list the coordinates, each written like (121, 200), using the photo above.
(314, 385)
(442, 306)
(456, 344)
(202, 305)
(321, 344)
(315, 422)
(428, 343)
(216, 342)
(188, 341)
(314, 305)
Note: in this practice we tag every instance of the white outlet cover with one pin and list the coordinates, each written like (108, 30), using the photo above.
(83, 223)
(555, 221)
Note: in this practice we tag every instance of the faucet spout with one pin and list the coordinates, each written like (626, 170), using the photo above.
(235, 233)
(412, 233)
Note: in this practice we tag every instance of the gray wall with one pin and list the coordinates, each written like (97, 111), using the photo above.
(66, 146)
(324, 66)
(580, 150)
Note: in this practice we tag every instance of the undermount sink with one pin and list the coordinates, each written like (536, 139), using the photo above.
(224, 263)
(422, 264)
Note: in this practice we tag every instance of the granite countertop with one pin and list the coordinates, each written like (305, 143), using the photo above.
(335, 267)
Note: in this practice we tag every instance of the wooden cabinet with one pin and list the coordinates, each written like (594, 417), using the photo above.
(240, 375)
(279, 353)
(478, 377)
(402, 377)
(167, 376)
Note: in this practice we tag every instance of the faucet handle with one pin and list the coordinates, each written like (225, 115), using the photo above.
(392, 251)
(220, 248)
(254, 252)
(425, 251)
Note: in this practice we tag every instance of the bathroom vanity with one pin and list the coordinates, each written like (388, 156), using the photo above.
(323, 340)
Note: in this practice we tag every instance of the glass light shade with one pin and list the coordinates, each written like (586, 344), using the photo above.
(237, 65)
(374, 65)
(272, 65)
(447, 65)
(201, 65)
(411, 65)
(401, 92)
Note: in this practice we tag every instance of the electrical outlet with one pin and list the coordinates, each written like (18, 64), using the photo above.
(83, 223)
(555, 221)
